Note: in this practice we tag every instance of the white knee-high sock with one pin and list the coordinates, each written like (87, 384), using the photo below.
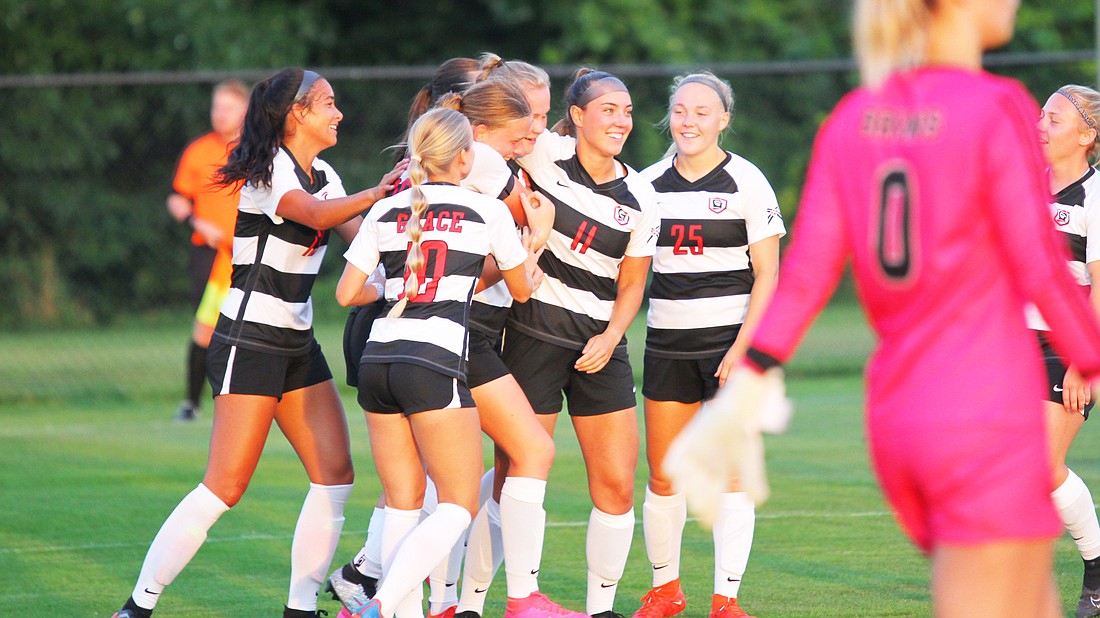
(484, 555)
(607, 548)
(663, 520)
(180, 536)
(444, 577)
(733, 529)
(1074, 503)
(369, 559)
(399, 525)
(315, 538)
(522, 526)
(422, 549)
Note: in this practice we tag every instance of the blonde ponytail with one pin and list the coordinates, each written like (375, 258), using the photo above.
(435, 140)
(890, 36)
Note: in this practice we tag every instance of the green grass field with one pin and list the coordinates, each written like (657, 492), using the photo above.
(91, 464)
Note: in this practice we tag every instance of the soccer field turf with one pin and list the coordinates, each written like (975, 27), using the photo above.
(92, 464)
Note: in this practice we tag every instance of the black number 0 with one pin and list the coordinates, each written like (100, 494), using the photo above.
(895, 225)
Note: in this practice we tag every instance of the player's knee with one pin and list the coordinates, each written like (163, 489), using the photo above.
(660, 484)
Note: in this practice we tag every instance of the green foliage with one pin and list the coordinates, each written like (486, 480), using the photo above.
(84, 170)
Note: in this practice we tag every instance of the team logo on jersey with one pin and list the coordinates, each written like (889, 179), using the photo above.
(717, 204)
(324, 195)
(1061, 217)
(622, 217)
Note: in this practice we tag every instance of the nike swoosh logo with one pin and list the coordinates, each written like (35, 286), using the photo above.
(1095, 600)
(534, 571)
(1057, 389)
(608, 585)
(147, 591)
(449, 584)
(659, 567)
(732, 579)
(480, 590)
(562, 184)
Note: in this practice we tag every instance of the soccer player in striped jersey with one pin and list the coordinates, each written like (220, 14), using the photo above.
(264, 362)
(570, 337)
(412, 381)
(715, 270)
(1068, 132)
(929, 180)
(484, 551)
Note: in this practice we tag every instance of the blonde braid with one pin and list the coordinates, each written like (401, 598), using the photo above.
(435, 140)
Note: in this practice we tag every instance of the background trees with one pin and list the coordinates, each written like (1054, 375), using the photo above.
(84, 169)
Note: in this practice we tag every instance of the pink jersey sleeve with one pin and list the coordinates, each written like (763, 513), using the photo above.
(1036, 256)
(813, 262)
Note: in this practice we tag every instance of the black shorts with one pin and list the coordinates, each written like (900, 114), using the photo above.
(404, 388)
(1056, 372)
(199, 264)
(485, 364)
(682, 380)
(233, 370)
(356, 332)
(545, 371)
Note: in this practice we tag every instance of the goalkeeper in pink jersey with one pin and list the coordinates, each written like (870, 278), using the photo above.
(929, 180)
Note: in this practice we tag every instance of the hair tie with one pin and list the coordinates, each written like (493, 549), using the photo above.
(1081, 110)
(416, 158)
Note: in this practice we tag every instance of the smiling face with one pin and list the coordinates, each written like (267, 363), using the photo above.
(319, 121)
(1062, 130)
(538, 99)
(604, 124)
(507, 138)
(696, 119)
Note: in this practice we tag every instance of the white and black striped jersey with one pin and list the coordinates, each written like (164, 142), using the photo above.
(1076, 213)
(275, 262)
(702, 274)
(460, 228)
(595, 227)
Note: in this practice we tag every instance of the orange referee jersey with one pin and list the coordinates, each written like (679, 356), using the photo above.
(195, 181)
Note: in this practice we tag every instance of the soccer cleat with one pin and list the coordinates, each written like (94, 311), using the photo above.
(125, 613)
(447, 613)
(608, 614)
(372, 609)
(662, 601)
(187, 412)
(468, 614)
(131, 610)
(1089, 605)
(726, 607)
(350, 587)
(537, 605)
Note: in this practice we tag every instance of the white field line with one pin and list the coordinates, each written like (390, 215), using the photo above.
(244, 538)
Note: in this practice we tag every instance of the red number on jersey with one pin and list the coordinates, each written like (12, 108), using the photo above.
(693, 233)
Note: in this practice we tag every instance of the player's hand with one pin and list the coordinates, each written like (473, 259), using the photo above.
(531, 264)
(391, 178)
(729, 361)
(540, 216)
(208, 231)
(723, 441)
(596, 353)
(1076, 393)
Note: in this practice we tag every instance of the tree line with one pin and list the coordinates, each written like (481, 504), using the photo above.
(84, 236)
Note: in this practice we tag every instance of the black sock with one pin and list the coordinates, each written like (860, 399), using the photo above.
(139, 612)
(196, 372)
(1092, 574)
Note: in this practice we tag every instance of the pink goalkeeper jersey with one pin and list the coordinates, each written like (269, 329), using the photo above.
(934, 189)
